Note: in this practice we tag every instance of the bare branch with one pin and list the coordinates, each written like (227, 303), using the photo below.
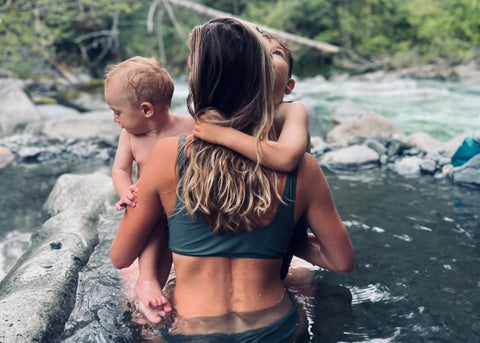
(322, 46)
(151, 12)
(174, 20)
(161, 43)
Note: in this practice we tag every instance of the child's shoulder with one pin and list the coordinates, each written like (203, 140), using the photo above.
(184, 118)
(291, 109)
(290, 106)
(179, 124)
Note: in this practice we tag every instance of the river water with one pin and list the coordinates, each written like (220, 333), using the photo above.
(416, 239)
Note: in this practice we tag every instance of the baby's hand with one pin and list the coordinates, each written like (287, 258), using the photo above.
(128, 199)
(209, 132)
(206, 131)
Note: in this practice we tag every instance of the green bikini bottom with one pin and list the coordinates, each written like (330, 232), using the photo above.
(277, 324)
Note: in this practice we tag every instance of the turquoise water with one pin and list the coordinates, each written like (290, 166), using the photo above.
(441, 109)
(416, 277)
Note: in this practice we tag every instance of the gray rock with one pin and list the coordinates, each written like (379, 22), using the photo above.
(93, 102)
(376, 145)
(55, 111)
(449, 148)
(344, 110)
(354, 157)
(409, 165)
(357, 140)
(37, 295)
(469, 173)
(91, 125)
(412, 152)
(440, 159)
(16, 108)
(396, 147)
(317, 144)
(468, 73)
(424, 142)
(428, 166)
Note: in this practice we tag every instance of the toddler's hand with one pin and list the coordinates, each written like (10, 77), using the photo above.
(209, 132)
(205, 131)
(128, 199)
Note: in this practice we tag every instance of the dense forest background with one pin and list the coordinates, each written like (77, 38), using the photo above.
(41, 37)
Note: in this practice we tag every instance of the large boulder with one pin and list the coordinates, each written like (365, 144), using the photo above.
(364, 125)
(345, 110)
(91, 125)
(351, 158)
(38, 294)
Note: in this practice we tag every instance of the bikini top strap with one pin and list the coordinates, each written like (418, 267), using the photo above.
(181, 154)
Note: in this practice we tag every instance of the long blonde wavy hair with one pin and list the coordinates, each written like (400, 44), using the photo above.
(231, 71)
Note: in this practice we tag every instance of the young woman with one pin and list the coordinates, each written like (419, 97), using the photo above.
(229, 219)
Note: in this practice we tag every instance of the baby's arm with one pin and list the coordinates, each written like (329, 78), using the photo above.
(122, 172)
(283, 155)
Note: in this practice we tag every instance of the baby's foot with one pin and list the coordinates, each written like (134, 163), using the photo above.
(153, 303)
(153, 315)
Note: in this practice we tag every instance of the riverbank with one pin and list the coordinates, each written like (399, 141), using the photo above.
(354, 139)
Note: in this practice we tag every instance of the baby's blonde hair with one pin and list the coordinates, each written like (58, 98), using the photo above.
(147, 81)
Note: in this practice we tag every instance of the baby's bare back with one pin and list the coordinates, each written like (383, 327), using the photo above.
(177, 125)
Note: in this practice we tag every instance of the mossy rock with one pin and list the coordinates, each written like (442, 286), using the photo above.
(46, 100)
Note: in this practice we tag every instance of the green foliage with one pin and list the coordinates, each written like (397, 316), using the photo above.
(93, 33)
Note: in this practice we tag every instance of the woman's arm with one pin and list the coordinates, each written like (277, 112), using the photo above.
(332, 249)
(283, 155)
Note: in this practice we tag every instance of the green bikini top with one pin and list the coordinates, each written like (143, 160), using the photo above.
(191, 236)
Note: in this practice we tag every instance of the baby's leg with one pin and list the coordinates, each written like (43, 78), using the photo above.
(155, 262)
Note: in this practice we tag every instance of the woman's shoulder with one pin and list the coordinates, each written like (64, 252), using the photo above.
(164, 150)
(309, 171)
(166, 145)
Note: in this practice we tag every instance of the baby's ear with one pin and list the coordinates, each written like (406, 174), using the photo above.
(289, 86)
(147, 109)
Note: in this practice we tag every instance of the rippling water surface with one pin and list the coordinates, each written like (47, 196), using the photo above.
(416, 277)
(441, 109)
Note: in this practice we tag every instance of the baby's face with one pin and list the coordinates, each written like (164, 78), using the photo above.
(128, 117)
(280, 64)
